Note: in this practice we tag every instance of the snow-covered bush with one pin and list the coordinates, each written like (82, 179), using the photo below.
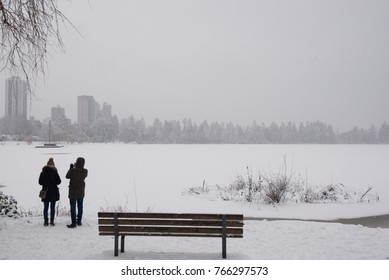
(8, 206)
(275, 189)
(248, 187)
(328, 193)
(281, 187)
(198, 190)
(308, 195)
(334, 193)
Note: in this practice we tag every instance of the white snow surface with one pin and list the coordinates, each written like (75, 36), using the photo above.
(154, 178)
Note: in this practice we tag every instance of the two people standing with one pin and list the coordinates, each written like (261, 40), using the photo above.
(50, 179)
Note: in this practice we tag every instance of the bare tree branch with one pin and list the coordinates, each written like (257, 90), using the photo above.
(27, 29)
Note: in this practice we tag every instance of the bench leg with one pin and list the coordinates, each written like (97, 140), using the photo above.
(122, 244)
(116, 228)
(116, 248)
(224, 237)
(224, 247)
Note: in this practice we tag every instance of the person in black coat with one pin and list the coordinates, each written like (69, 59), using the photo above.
(49, 179)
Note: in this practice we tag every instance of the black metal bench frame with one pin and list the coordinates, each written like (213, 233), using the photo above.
(168, 224)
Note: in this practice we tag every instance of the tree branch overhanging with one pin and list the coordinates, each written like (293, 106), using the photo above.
(28, 28)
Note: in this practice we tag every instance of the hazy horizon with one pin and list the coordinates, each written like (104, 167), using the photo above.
(223, 61)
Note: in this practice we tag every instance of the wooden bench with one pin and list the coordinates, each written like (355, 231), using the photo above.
(174, 225)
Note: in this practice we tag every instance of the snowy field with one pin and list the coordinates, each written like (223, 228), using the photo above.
(154, 177)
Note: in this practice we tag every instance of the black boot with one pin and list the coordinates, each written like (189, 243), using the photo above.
(71, 226)
(52, 223)
(46, 223)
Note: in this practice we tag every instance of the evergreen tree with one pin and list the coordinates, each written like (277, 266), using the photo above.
(157, 132)
(189, 131)
(383, 134)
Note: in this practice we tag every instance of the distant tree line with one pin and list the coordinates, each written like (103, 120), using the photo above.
(133, 130)
(189, 132)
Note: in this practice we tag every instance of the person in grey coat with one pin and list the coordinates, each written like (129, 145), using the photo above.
(77, 174)
(49, 180)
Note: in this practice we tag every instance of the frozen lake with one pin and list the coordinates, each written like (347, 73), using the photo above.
(153, 177)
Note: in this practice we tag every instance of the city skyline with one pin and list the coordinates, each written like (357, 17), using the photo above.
(16, 104)
(88, 109)
(95, 123)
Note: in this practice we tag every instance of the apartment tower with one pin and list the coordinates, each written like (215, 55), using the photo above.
(16, 98)
(86, 110)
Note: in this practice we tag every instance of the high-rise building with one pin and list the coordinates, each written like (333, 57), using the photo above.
(16, 98)
(57, 114)
(86, 110)
(106, 111)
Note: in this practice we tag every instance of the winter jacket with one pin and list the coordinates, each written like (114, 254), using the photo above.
(49, 179)
(77, 177)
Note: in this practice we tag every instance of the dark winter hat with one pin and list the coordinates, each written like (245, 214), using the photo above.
(51, 162)
(80, 162)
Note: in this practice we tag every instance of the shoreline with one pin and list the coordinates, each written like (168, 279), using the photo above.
(376, 221)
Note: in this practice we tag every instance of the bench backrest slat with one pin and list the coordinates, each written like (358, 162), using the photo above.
(152, 222)
(158, 234)
(170, 216)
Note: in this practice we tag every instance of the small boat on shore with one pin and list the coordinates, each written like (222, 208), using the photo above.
(49, 144)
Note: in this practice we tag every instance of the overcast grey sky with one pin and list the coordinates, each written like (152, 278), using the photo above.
(224, 60)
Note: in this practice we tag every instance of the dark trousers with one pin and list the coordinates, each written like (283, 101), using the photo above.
(46, 205)
(76, 215)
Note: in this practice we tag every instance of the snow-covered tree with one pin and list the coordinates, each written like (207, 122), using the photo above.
(383, 134)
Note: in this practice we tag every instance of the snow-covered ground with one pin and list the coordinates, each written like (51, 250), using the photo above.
(154, 177)
(27, 239)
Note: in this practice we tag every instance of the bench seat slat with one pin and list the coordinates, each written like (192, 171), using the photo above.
(193, 223)
(157, 234)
